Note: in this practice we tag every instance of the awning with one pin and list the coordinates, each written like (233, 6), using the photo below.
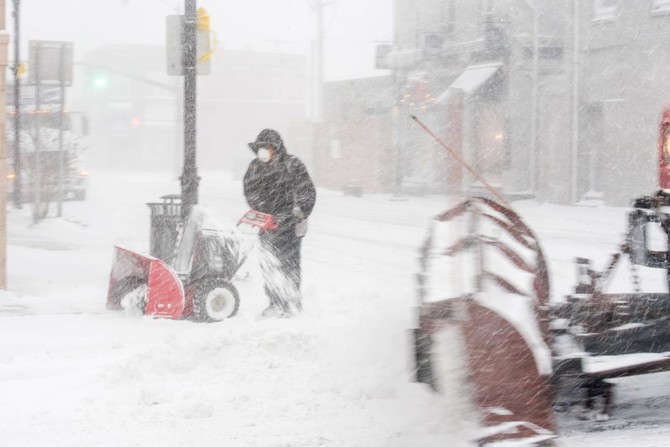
(471, 80)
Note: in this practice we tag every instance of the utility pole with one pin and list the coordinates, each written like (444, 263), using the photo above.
(574, 147)
(17, 107)
(189, 178)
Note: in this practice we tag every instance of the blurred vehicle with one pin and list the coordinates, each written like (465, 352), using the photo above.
(46, 122)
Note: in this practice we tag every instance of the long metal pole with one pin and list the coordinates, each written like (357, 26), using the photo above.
(37, 159)
(189, 178)
(459, 159)
(17, 107)
(575, 102)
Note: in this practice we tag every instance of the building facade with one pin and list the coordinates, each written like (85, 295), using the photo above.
(625, 66)
(558, 100)
(354, 144)
(481, 74)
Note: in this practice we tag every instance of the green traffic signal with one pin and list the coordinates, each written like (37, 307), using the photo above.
(100, 82)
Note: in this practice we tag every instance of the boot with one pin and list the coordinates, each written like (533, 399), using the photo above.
(274, 311)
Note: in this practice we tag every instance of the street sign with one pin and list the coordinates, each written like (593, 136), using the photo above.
(52, 60)
(174, 46)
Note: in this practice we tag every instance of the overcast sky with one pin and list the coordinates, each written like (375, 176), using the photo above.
(351, 26)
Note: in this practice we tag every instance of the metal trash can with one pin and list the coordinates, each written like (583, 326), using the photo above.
(166, 223)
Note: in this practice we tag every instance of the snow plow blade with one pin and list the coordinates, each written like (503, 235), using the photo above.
(493, 322)
(164, 290)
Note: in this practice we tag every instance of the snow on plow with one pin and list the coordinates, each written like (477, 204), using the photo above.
(197, 283)
(528, 357)
(500, 317)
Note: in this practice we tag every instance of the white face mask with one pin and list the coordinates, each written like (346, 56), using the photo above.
(264, 155)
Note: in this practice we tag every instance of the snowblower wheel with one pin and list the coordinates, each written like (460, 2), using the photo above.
(215, 300)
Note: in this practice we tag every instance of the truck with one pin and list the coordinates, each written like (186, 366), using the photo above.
(528, 355)
(46, 161)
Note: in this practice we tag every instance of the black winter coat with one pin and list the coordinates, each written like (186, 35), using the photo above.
(279, 185)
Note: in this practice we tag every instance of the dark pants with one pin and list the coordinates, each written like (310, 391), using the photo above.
(280, 265)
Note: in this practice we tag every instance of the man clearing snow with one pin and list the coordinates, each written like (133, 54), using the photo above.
(278, 183)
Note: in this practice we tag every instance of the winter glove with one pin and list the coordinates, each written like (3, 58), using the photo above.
(298, 214)
(283, 219)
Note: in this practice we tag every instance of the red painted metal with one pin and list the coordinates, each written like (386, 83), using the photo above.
(512, 391)
(165, 292)
(126, 264)
(502, 366)
(259, 220)
(663, 157)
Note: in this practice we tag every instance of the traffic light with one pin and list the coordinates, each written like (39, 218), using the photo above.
(100, 82)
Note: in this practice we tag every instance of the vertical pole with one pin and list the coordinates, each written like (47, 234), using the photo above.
(534, 151)
(593, 157)
(36, 165)
(398, 122)
(575, 102)
(61, 112)
(189, 178)
(17, 108)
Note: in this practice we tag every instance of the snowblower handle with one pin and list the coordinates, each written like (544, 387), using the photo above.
(259, 220)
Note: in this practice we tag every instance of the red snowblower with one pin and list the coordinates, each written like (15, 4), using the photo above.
(192, 264)
(528, 356)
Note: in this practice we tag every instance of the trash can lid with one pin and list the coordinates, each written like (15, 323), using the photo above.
(171, 197)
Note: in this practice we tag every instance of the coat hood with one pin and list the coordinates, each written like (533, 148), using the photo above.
(268, 136)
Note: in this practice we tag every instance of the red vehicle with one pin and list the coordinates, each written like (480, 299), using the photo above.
(664, 150)
(197, 284)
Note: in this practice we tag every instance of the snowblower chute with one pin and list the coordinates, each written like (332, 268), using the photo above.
(133, 272)
(198, 282)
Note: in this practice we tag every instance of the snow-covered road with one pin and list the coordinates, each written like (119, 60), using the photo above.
(74, 374)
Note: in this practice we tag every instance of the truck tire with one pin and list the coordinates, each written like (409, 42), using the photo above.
(215, 300)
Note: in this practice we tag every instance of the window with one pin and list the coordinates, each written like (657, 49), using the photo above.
(660, 5)
(605, 9)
